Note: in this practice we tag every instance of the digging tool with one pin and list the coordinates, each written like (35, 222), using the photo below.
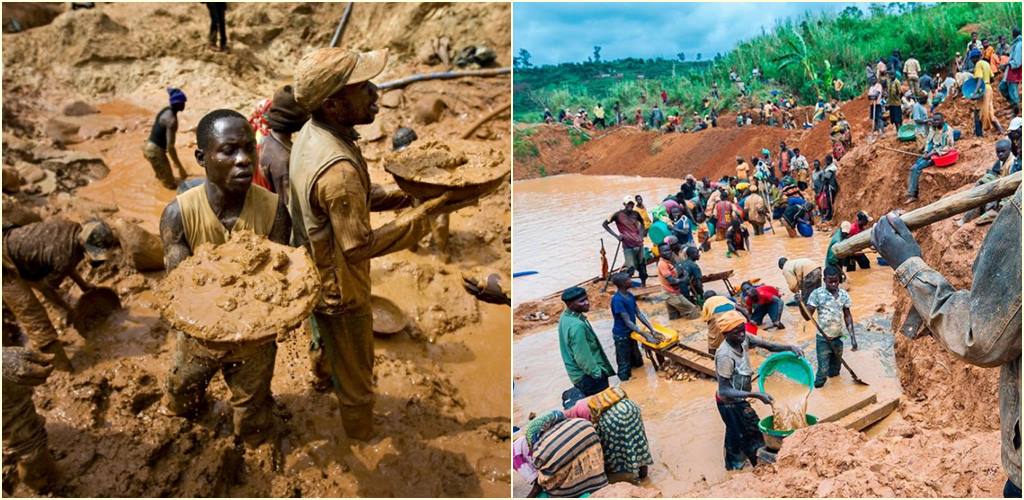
(340, 30)
(604, 261)
(614, 258)
(894, 150)
(942, 209)
(807, 314)
(442, 75)
(490, 116)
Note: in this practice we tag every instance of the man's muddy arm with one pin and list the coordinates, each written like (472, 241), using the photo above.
(172, 234)
(51, 294)
(848, 317)
(83, 285)
(606, 227)
(726, 390)
(772, 346)
(281, 232)
(383, 198)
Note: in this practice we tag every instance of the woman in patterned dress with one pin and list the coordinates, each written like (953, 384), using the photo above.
(621, 429)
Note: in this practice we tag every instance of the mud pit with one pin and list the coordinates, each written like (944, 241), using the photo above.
(443, 430)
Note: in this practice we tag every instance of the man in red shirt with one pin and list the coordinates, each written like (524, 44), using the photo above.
(763, 300)
(631, 233)
(677, 304)
(863, 219)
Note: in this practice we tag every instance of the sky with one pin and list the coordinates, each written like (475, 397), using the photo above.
(567, 32)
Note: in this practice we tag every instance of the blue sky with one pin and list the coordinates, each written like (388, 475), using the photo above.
(567, 32)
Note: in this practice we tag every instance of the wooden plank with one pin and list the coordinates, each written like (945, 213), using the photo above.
(933, 212)
(862, 420)
(690, 360)
(857, 405)
(694, 350)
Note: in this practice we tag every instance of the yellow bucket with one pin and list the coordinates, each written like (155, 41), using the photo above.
(671, 336)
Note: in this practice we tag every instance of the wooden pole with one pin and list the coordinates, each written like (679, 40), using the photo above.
(341, 25)
(442, 75)
(942, 209)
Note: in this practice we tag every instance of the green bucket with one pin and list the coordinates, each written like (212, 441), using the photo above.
(906, 133)
(767, 423)
(789, 365)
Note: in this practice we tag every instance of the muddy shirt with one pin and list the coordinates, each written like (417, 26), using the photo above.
(47, 249)
(202, 225)
(981, 326)
(734, 365)
(830, 310)
(794, 271)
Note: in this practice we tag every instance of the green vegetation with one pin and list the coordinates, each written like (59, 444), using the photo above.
(800, 56)
(522, 147)
(577, 137)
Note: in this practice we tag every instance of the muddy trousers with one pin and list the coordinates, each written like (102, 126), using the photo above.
(30, 313)
(247, 371)
(25, 455)
(157, 158)
(742, 437)
(829, 364)
(679, 307)
(347, 342)
(634, 257)
(627, 357)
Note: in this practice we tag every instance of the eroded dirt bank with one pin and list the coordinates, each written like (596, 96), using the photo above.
(443, 431)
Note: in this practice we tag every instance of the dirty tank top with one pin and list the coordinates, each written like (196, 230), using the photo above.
(158, 134)
(203, 226)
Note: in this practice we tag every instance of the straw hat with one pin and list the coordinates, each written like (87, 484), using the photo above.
(323, 72)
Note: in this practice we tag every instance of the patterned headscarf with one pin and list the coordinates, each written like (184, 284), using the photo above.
(536, 428)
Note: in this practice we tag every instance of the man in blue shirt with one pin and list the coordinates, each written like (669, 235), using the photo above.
(625, 313)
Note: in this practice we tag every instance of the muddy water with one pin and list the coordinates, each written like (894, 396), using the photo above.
(131, 184)
(557, 226)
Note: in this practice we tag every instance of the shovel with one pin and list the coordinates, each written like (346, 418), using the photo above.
(614, 258)
(853, 374)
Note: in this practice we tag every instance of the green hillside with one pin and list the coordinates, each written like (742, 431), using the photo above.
(800, 56)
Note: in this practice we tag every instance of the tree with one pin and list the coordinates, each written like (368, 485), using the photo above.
(523, 61)
(698, 56)
(597, 53)
(681, 56)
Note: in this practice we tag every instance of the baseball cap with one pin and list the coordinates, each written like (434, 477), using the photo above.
(97, 239)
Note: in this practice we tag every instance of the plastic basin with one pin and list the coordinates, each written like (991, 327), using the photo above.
(789, 365)
(947, 159)
(973, 87)
(906, 133)
(766, 423)
(388, 318)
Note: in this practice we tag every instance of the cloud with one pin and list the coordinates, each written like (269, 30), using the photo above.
(567, 32)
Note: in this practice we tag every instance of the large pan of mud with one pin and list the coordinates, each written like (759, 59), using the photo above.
(248, 289)
(465, 169)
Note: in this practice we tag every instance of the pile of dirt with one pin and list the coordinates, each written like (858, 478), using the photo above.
(544, 312)
(624, 489)
(828, 461)
(248, 289)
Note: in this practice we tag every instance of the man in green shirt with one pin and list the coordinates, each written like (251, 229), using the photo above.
(851, 262)
(585, 361)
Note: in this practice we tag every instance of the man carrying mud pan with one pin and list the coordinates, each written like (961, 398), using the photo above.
(584, 359)
(677, 304)
(331, 200)
(206, 214)
(625, 314)
(734, 372)
(160, 144)
(26, 457)
(981, 326)
(39, 256)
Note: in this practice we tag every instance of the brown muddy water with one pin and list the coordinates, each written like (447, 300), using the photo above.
(557, 223)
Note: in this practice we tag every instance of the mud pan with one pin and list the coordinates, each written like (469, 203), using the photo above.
(425, 190)
(773, 438)
(93, 308)
(388, 318)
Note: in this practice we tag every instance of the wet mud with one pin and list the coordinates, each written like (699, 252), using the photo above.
(441, 416)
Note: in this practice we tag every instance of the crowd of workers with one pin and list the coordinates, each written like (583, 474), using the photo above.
(787, 188)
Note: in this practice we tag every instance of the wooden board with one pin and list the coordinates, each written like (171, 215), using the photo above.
(855, 406)
(864, 418)
(701, 362)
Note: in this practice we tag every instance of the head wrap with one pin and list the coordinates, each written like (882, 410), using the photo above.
(536, 428)
(258, 118)
(285, 114)
(573, 293)
(323, 72)
(522, 460)
(176, 95)
(845, 226)
(728, 320)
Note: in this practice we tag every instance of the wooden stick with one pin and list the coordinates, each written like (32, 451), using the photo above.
(341, 25)
(942, 209)
(492, 114)
(442, 75)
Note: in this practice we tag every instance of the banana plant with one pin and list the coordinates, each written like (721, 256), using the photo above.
(799, 55)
